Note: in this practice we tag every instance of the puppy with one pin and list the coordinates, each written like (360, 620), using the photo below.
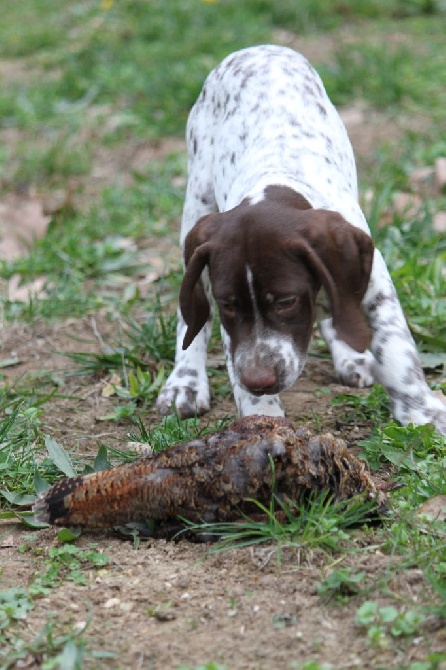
(272, 229)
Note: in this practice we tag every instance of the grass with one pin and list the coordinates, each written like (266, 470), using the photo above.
(373, 408)
(416, 256)
(90, 87)
(385, 77)
(84, 277)
(317, 523)
(55, 649)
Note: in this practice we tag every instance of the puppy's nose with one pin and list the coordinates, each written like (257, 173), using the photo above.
(258, 379)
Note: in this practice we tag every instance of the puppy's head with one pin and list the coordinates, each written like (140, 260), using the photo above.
(267, 263)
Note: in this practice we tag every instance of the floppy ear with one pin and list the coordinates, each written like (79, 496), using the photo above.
(341, 255)
(194, 304)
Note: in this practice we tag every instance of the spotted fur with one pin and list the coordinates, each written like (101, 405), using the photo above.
(272, 229)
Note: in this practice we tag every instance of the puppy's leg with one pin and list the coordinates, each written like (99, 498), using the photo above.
(397, 366)
(247, 403)
(187, 388)
(352, 368)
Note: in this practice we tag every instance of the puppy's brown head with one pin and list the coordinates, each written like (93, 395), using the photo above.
(267, 263)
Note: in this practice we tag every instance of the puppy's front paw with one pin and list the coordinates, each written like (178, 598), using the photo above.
(354, 369)
(185, 396)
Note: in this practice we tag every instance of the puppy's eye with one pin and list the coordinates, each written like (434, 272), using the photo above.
(228, 307)
(285, 304)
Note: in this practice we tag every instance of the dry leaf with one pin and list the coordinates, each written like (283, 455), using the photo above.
(435, 508)
(440, 173)
(110, 388)
(352, 115)
(422, 181)
(408, 204)
(21, 222)
(17, 293)
(439, 222)
(140, 448)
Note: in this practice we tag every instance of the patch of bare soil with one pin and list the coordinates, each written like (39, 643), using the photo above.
(41, 351)
(169, 604)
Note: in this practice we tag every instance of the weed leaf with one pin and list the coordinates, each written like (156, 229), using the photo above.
(7, 515)
(59, 457)
(9, 362)
(71, 656)
(432, 361)
(40, 484)
(101, 461)
(29, 520)
(68, 535)
(19, 499)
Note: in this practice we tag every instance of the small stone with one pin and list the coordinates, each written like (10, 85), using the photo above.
(126, 607)
(112, 602)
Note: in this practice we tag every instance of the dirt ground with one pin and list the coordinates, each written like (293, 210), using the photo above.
(174, 604)
(171, 604)
(166, 604)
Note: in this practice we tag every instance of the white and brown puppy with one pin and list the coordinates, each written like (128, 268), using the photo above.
(272, 229)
